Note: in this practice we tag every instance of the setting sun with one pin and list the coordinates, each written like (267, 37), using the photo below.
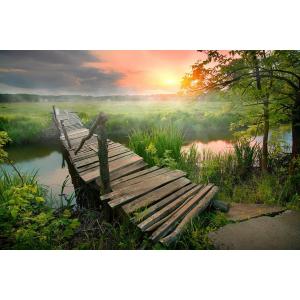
(170, 81)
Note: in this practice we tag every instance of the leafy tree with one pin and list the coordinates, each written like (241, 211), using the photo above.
(263, 75)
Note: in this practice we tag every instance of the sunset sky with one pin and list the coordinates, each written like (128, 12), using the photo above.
(94, 72)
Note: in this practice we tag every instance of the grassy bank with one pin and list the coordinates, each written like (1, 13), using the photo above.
(27, 122)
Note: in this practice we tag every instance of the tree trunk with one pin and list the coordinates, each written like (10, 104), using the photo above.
(296, 127)
(264, 162)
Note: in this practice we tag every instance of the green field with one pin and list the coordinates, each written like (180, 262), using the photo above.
(27, 122)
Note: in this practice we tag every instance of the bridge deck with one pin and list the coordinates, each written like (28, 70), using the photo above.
(160, 201)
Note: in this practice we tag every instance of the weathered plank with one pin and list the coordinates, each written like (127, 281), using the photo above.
(139, 186)
(168, 209)
(123, 196)
(141, 178)
(166, 227)
(155, 195)
(200, 207)
(92, 166)
(162, 203)
(135, 167)
(92, 174)
(131, 176)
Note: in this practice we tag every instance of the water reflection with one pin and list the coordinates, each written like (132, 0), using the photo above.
(222, 146)
(46, 160)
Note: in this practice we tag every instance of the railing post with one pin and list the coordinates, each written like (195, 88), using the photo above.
(100, 124)
(55, 116)
(65, 133)
(103, 154)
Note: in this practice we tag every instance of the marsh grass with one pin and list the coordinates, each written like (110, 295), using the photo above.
(157, 144)
(26, 122)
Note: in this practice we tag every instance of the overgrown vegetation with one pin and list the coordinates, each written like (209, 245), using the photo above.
(28, 122)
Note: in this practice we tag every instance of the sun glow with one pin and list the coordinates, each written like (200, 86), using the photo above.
(169, 80)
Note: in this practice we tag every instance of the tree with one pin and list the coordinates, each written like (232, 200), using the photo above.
(275, 73)
(235, 69)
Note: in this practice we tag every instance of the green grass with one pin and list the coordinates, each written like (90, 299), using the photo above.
(155, 143)
(26, 122)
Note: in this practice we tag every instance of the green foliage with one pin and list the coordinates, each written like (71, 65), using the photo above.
(26, 222)
(158, 145)
(24, 129)
(4, 139)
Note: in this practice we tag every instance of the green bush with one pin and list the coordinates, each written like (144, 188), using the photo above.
(26, 222)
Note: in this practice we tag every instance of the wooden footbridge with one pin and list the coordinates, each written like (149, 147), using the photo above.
(160, 201)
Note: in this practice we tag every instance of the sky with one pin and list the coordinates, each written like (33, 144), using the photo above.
(94, 73)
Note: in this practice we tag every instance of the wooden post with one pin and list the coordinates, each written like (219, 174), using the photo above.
(65, 133)
(103, 154)
(54, 112)
(55, 116)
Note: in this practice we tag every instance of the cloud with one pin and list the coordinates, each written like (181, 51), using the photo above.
(55, 72)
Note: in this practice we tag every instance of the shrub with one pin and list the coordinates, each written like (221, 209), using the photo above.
(26, 222)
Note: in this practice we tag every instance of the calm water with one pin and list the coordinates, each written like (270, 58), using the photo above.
(47, 161)
(223, 145)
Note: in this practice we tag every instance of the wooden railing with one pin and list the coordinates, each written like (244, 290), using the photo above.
(99, 127)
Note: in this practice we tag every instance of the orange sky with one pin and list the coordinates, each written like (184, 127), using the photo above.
(146, 71)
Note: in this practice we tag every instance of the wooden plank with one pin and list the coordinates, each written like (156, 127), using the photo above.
(124, 196)
(200, 207)
(78, 132)
(166, 227)
(156, 195)
(91, 159)
(159, 205)
(135, 167)
(86, 152)
(131, 176)
(96, 164)
(140, 185)
(76, 142)
(141, 178)
(113, 166)
(168, 209)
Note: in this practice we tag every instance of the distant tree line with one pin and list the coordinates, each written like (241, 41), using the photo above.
(6, 98)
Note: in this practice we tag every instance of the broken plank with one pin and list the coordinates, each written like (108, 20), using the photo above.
(168, 209)
(162, 203)
(166, 227)
(200, 207)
